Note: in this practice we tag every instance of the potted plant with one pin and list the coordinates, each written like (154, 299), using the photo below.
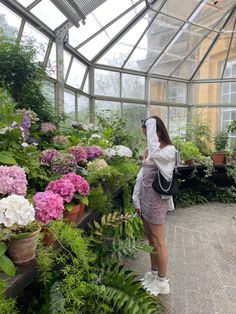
(74, 190)
(233, 148)
(220, 140)
(189, 152)
(18, 227)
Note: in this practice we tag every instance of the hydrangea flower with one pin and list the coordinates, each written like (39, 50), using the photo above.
(15, 209)
(47, 156)
(47, 127)
(80, 153)
(118, 150)
(26, 125)
(96, 136)
(29, 113)
(63, 187)
(48, 206)
(64, 163)
(94, 151)
(80, 184)
(12, 180)
(60, 140)
(97, 164)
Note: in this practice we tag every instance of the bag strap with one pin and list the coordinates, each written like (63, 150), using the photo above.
(175, 170)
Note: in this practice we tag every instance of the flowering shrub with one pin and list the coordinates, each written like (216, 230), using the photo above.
(80, 153)
(80, 184)
(47, 127)
(97, 164)
(94, 151)
(64, 163)
(29, 113)
(118, 150)
(47, 156)
(48, 206)
(15, 209)
(60, 140)
(63, 187)
(12, 180)
(26, 125)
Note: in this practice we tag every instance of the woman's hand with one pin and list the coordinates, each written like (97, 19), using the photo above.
(138, 211)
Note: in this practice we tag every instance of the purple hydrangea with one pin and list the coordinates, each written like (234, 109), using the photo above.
(12, 180)
(94, 151)
(64, 163)
(26, 125)
(63, 187)
(48, 127)
(47, 156)
(80, 153)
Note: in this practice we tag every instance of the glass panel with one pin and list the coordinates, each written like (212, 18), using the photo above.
(91, 48)
(86, 85)
(76, 74)
(25, 3)
(108, 109)
(166, 64)
(134, 113)
(154, 41)
(158, 90)
(107, 83)
(48, 13)
(67, 58)
(119, 52)
(210, 117)
(69, 105)
(230, 68)
(39, 40)
(48, 90)
(206, 94)
(133, 86)
(160, 111)
(9, 22)
(177, 92)
(52, 64)
(177, 121)
(83, 108)
(228, 93)
(97, 19)
(177, 9)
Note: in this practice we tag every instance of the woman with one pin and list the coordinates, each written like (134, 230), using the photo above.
(150, 205)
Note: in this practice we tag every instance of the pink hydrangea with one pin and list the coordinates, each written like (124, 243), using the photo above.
(47, 156)
(94, 151)
(60, 140)
(48, 127)
(63, 187)
(48, 206)
(80, 153)
(12, 180)
(64, 163)
(80, 184)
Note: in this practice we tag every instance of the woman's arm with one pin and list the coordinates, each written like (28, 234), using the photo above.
(137, 190)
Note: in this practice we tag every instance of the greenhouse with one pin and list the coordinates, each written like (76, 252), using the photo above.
(118, 156)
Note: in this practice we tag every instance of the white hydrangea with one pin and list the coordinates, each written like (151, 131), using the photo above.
(97, 164)
(96, 136)
(15, 209)
(109, 152)
(123, 151)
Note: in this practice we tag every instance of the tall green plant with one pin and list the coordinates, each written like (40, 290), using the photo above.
(221, 140)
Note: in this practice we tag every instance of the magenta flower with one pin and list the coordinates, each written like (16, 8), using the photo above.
(47, 156)
(12, 180)
(94, 151)
(63, 187)
(80, 153)
(48, 206)
(64, 163)
(48, 127)
(80, 184)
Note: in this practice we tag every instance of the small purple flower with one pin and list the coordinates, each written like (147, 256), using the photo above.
(26, 125)
(47, 127)
(47, 156)
(64, 163)
(94, 152)
(80, 153)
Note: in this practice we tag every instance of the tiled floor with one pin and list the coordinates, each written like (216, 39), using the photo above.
(202, 260)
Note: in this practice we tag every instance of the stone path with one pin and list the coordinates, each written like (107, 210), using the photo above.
(202, 260)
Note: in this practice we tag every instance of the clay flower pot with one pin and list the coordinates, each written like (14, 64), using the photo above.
(23, 250)
(74, 214)
(218, 158)
(48, 238)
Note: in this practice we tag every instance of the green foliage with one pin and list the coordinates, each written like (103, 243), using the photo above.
(189, 151)
(232, 126)
(97, 199)
(22, 77)
(221, 140)
(231, 171)
(187, 198)
(127, 247)
(6, 265)
(7, 305)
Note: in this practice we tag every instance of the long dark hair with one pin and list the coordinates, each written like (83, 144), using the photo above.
(161, 130)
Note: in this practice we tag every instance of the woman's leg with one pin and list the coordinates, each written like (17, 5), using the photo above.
(156, 237)
(153, 256)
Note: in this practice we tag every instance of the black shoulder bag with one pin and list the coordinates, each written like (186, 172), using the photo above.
(162, 186)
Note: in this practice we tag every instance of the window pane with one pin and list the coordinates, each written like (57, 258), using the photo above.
(177, 92)
(9, 22)
(39, 40)
(160, 111)
(67, 58)
(158, 90)
(52, 64)
(48, 13)
(134, 113)
(133, 86)
(25, 3)
(76, 74)
(109, 109)
(107, 83)
(48, 91)
(83, 108)
(177, 121)
(206, 94)
(177, 9)
(69, 105)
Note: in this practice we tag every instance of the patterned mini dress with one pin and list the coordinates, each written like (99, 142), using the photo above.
(153, 206)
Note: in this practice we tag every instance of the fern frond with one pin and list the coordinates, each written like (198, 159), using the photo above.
(126, 248)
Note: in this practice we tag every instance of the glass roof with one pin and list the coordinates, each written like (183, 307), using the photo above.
(163, 38)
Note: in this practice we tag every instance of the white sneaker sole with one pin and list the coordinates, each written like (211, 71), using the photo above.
(156, 292)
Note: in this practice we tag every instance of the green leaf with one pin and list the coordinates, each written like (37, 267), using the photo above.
(22, 235)
(69, 206)
(7, 266)
(3, 248)
(7, 159)
(84, 200)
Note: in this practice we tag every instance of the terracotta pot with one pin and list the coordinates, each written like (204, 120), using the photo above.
(48, 238)
(190, 162)
(218, 158)
(81, 212)
(72, 216)
(22, 251)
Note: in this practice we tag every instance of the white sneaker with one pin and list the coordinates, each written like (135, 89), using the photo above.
(157, 287)
(147, 279)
